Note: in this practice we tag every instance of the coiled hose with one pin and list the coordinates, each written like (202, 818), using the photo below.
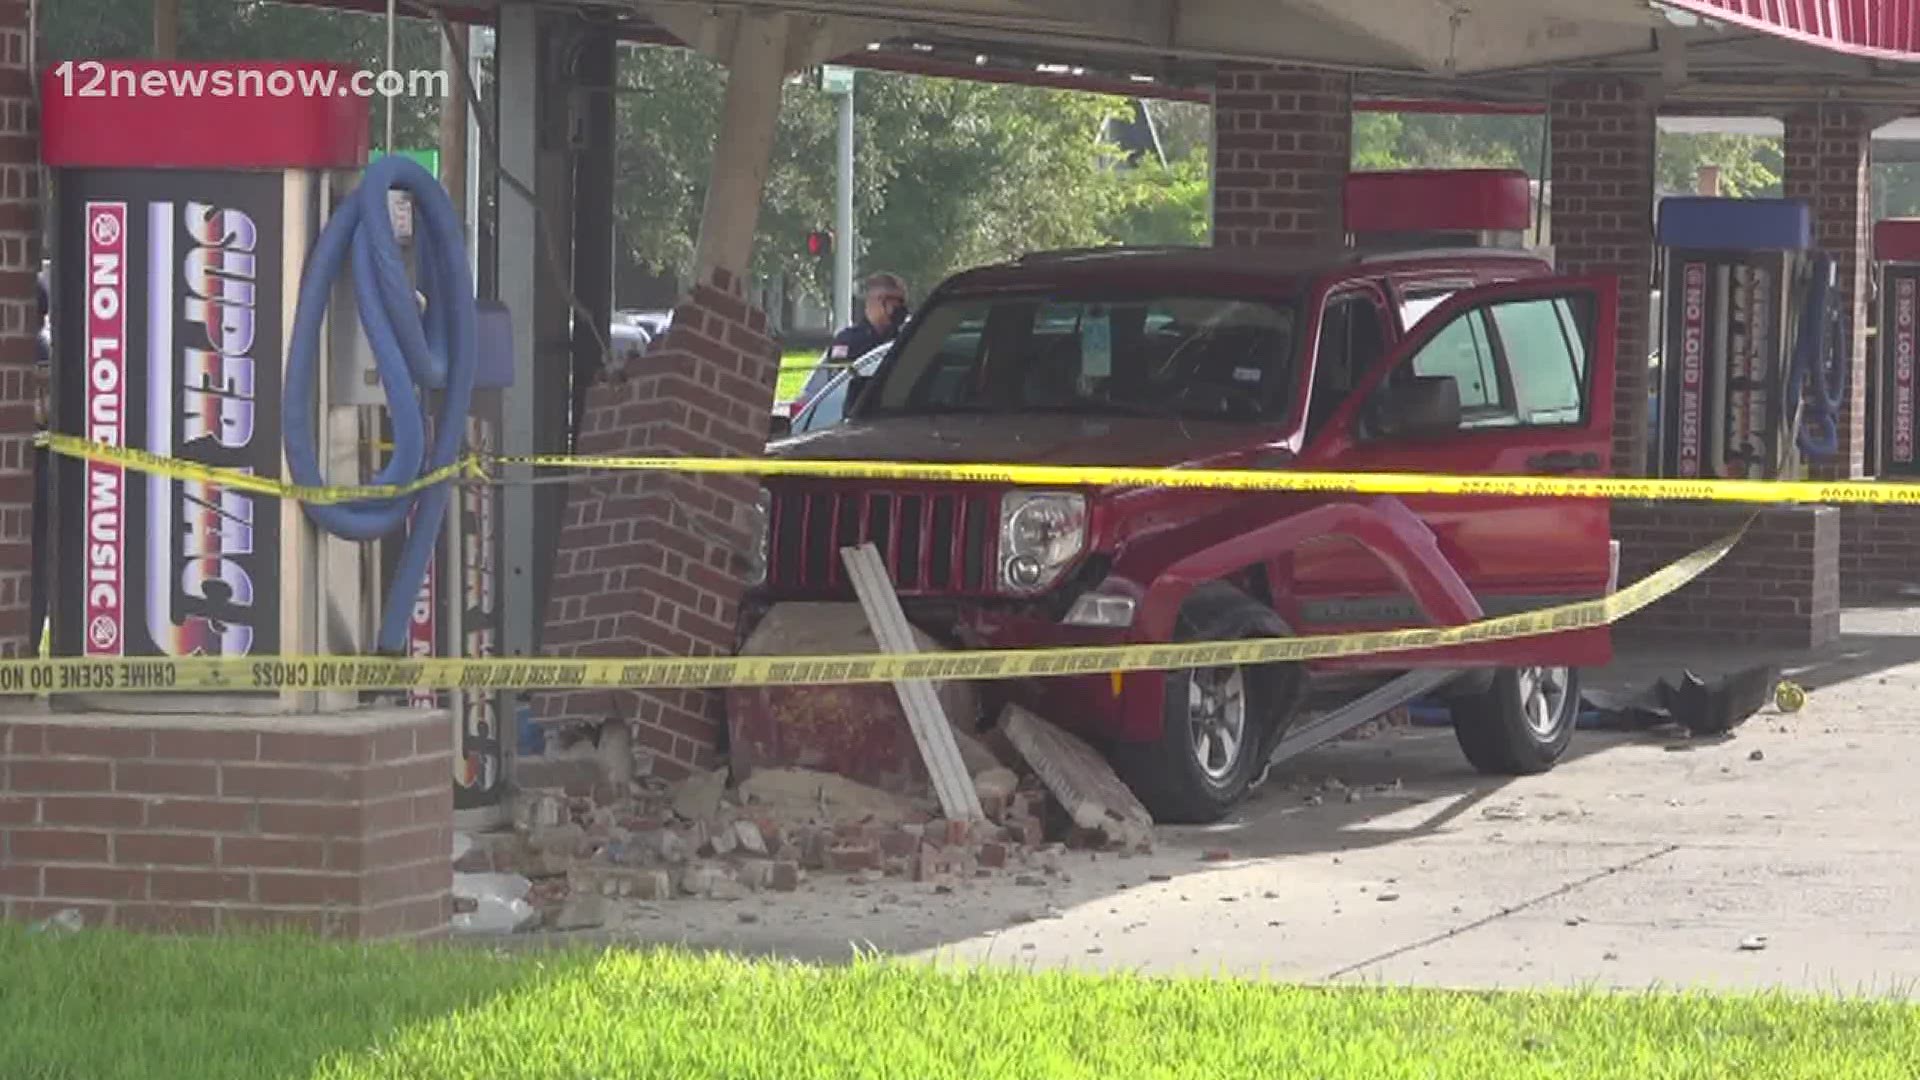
(1820, 355)
(414, 351)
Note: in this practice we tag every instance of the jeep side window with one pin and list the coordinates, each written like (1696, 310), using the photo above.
(1544, 345)
(1351, 341)
(1463, 351)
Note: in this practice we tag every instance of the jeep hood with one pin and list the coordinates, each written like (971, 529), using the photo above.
(1037, 439)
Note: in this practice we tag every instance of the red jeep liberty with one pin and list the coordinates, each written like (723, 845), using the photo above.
(1463, 361)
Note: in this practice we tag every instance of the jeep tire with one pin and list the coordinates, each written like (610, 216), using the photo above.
(1217, 723)
(1521, 723)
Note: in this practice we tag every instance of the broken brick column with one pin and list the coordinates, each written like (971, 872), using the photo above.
(653, 564)
(1283, 144)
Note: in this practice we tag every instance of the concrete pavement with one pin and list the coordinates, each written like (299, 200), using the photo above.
(1639, 861)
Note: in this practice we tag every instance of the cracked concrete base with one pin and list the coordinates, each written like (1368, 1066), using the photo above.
(1637, 862)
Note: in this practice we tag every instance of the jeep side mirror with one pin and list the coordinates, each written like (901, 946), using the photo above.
(1424, 407)
(779, 428)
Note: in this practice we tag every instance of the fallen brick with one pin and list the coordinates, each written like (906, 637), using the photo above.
(851, 858)
(993, 855)
(750, 838)
(785, 876)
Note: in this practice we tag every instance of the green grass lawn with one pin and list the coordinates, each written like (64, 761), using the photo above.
(794, 368)
(103, 1006)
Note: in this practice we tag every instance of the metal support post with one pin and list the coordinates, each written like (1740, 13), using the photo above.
(843, 218)
(516, 106)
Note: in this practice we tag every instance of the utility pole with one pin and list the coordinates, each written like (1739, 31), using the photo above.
(166, 29)
(838, 81)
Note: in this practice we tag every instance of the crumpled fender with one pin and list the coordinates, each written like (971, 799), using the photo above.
(1384, 526)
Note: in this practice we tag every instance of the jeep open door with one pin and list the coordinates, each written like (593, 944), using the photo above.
(1532, 365)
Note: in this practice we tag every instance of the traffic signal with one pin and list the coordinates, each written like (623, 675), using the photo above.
(820, 243)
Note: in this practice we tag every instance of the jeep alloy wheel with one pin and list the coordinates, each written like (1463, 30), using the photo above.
(1521, 723)
(1217, 720)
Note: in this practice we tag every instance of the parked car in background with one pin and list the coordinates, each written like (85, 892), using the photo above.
(828, 406)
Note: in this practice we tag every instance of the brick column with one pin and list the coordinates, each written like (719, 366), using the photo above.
(1602, 146)
(1827, 151)
(1283, 143)
(654, 565)
(19, 323)
(339, 824)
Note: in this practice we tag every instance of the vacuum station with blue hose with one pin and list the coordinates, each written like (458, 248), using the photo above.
(1753, 365)
(277, 306)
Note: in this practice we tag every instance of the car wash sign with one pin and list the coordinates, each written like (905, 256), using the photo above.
(169, 340)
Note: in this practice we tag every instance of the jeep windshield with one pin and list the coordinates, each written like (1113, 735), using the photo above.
(1198, 357)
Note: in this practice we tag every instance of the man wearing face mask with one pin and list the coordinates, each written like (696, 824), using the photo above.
(886, 310)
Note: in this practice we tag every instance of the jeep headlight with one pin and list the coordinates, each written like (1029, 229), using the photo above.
(1040, 533)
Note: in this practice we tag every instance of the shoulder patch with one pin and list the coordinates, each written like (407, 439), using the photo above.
(839, 353)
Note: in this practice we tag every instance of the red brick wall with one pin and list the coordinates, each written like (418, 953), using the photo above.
(654, 565)
(1283, 142)
(1779, 586)
(1879, 553)
(19, 321)
(1827, 164)
(341, 825)
(1602, 134)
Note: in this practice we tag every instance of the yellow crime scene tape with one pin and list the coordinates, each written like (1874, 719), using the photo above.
(483, 469)
(316, 673)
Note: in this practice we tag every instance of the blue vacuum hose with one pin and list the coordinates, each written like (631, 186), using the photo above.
(1820, 357)
(413, 351)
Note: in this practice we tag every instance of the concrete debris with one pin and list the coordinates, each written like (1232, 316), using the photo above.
(1753, 943)
(582, 911)
(785, 876)
(562, 839)
(699, 880)
(537, 809)
(749, 837)
(1216, 855)
(1085, 785)
(804, 795)
(998, 781)
(1757, 755)
(698, 797)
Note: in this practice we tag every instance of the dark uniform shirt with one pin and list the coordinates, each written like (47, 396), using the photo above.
(848, 345)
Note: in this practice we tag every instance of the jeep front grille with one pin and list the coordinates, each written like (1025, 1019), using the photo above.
(933, 541)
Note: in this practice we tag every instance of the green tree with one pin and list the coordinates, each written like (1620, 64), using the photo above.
(1162, 204)
(948, 174)
(1750, 165)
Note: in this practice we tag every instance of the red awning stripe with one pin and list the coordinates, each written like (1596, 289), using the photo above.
(1881, 29)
